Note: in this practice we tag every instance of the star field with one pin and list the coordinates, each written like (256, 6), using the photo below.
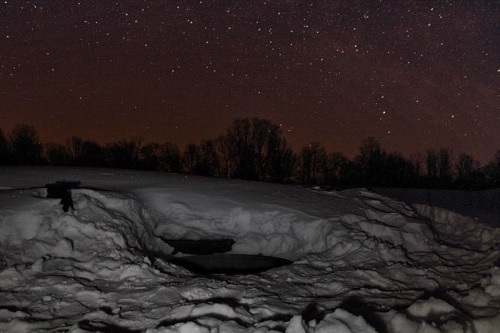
(413, 74)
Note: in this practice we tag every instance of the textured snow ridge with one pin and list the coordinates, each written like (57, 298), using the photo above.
(362, 262)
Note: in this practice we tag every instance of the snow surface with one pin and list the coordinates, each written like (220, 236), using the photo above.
(362, 262)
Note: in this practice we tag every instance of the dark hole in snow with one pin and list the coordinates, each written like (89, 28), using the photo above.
(62, 190)
(358, 307)
(230, 264)
(208, 257)
(201, 246)
(100, 326)
(313, 312)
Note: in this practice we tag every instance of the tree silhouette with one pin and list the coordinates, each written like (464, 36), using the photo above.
(224, 156)
(336, 165)
(371, 159)
(209, 163)
(263, 132)
(398, 171)
(432, 164)
(239, 137)
(123, 154)
(256, 150)
(191, 158)
(416, 160)
(281, 158)
(149, 157)
(248, 147)
(74, 146)
(26, 147)
(445, 168)
(492, 171)
(93, 154)
(4, 149)
(467, 172)
(57, 154)
(312, 163)
(170, 158)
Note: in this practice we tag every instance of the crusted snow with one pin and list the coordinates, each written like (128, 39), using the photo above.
(362, 262)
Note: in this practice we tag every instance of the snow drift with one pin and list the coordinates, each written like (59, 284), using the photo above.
(362, 261)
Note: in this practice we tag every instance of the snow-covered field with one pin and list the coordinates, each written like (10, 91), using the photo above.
(361, 262)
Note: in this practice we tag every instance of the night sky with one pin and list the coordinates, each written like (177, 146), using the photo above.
(413, 74)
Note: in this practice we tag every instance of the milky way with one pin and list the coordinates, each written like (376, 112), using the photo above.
(413, 74)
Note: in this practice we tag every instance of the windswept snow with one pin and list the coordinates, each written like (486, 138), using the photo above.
(362, 262)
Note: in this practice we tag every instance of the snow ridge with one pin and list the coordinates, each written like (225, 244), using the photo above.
(362, 262)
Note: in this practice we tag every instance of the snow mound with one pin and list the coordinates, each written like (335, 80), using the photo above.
(362, 261)
(450, 228)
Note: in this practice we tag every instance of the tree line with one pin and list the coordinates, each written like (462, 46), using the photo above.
(255, 149)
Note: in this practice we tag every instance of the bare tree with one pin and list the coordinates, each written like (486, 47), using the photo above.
(371, 160)
(445, 167)
(209, 163)
(263, 131)
(466, 164)
(191, 158)
(313, 158)
(149, 156)
(493, 171)
(336, 164)
(57, 154)
(467, 172)
(26, 147)
(4, 149)
(224, 156)
(281, 158)
(417, 159)
(74, 145)
(399, 171)
(92, 154)
(432, 160)
(170, 158)
(123, 154)
(239, 137)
